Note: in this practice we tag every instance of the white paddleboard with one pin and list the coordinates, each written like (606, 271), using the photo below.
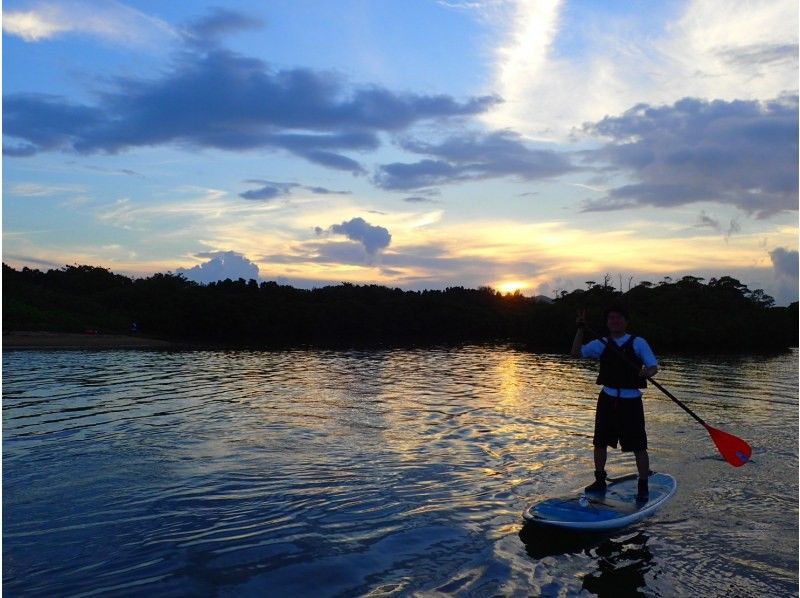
(614, 509)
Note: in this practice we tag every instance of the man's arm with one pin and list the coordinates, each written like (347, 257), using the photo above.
(648, 372)
(649, 362)
(577, 343)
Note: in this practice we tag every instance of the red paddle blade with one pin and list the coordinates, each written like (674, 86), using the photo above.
(732, 448)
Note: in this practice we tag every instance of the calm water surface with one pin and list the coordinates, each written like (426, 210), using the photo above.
(381, 473)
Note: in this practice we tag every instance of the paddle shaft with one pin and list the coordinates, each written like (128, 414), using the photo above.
(650, 378)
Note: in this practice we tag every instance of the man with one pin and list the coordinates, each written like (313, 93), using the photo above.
(619, 416)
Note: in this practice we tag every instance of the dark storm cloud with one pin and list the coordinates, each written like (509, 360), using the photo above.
(472, 156)
(738, 153)
(220, 99)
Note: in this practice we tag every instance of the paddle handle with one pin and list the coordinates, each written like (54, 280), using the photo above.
(679, 403)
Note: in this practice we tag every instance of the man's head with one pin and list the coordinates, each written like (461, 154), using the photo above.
(617, 319)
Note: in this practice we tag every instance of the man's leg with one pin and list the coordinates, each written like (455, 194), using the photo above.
(599, 484)
(643, 465)
(600, 456)
(600, 441)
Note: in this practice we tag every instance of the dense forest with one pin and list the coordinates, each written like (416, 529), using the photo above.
(687, 315)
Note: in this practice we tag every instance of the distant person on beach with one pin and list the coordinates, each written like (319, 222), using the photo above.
(619, 416)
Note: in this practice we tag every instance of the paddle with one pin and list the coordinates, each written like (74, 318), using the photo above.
(732, 448)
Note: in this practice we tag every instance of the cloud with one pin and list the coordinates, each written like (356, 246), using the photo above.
(430, 265)
(373, 238)
(759, 54)
(734, 227)
(40, 190)
(26, 259)
(418, 199)
(709, 221)
(740, 153)
(558, 66)
(20, 150)
(706, 221)
(221, 265)
(110, 21)
(785, 263)
(271, 190)
(219, 22)
(325, 191)
(321, 252)
(333, 160)
(264, 193)
(785, 274)
(224, 100)
(523, 54)
(472, 156)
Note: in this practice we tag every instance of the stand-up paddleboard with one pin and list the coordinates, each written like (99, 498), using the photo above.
(613, 509)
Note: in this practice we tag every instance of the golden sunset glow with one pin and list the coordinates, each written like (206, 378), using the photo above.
(511, 286)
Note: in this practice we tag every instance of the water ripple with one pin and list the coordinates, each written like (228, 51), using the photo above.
(376, 473)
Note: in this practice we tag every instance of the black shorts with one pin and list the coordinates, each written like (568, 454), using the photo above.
(619, 420)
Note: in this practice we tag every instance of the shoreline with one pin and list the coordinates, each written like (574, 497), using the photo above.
(72, 340)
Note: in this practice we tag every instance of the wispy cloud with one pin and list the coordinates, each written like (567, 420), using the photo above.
(202, 205)
(40, 190)
(558, 67)
(419, 199)
(522, 57)
(110, 21)
(705, 220)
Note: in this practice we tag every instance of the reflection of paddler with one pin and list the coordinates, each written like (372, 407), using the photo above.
(619, 416)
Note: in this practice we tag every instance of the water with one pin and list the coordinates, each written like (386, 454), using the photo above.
(381, 473)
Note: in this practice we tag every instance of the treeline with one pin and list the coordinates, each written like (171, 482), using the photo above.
(721, 315)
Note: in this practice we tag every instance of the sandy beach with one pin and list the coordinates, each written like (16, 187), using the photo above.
(67, 340)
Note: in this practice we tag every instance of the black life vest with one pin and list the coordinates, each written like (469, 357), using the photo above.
(617, 371)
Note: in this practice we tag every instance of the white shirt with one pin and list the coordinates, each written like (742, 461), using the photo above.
(594, 349)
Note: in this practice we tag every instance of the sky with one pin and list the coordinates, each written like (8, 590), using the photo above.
(531, 145)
